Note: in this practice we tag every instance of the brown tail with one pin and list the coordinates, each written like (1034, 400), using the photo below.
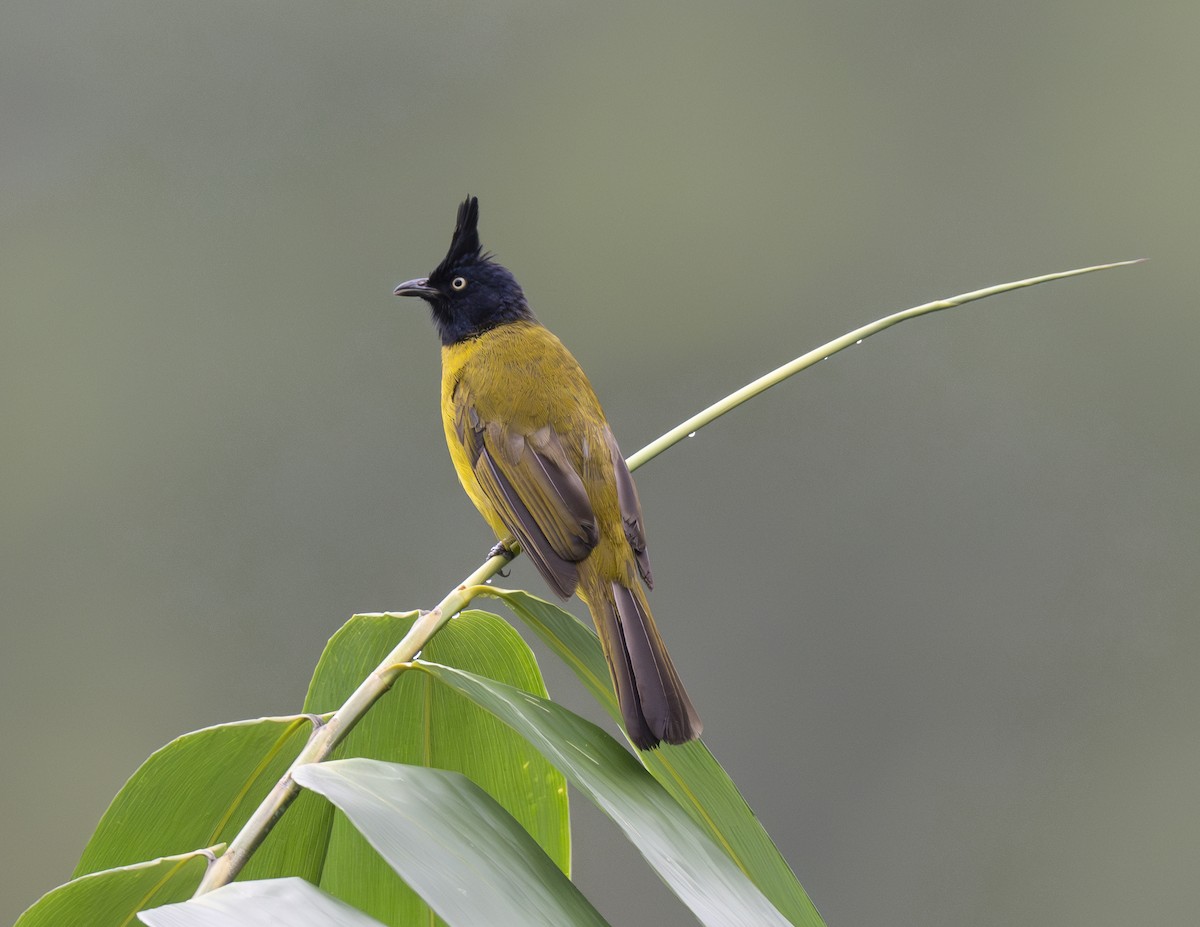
(653, 703)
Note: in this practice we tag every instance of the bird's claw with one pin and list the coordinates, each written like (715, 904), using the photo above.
(501, 549)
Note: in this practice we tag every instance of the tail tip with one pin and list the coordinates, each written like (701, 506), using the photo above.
(677, 731)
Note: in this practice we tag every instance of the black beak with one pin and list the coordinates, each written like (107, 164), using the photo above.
(418, 287)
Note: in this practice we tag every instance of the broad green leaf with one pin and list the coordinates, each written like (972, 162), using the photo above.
(293, 902)
(197, 791)
(423, 724)
(464, 854)
(113, 897)
(689, 772)
(676, 846)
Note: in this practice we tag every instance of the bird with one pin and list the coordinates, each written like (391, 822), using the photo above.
(535, 454)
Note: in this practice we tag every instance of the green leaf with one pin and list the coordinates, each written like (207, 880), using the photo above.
(114, 896)
(252, 904)
(694, 778)
(689, 772)
(463, 853)
(420, 723)
(683, 854)
(197, 791)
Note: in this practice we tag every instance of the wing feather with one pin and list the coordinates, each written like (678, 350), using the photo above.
(537, 493)
(631, 508)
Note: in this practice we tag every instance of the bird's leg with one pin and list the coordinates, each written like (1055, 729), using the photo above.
(508, 548)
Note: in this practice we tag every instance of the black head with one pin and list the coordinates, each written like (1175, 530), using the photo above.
(468, 293)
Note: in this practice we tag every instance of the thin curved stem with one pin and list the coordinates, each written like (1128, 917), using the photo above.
(750, 390)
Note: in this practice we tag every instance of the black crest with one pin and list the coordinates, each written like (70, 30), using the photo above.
(464, 244)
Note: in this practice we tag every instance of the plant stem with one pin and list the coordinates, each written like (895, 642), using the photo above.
(750, 390)
(326, 737)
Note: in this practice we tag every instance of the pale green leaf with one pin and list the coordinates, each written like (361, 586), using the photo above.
(458, 849)
(689, 772)
(278, 902)
(680, 850)
(424, 724)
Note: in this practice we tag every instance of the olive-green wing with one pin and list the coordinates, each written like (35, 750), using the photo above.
(531, 483)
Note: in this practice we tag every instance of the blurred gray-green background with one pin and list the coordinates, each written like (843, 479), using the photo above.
(935, 598)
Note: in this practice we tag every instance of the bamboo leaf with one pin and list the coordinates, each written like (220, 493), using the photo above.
(423, 724)
(197, 791)
(201, 788)
(688, 772)
(253, 904)
(679, 850)
(113, 897)
(447, 838)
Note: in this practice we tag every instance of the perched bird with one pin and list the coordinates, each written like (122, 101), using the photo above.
(535, 454)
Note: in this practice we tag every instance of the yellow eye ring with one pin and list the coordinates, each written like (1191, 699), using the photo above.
(458, 283)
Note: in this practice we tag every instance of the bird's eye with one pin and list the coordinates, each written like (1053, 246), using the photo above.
(459, 283)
